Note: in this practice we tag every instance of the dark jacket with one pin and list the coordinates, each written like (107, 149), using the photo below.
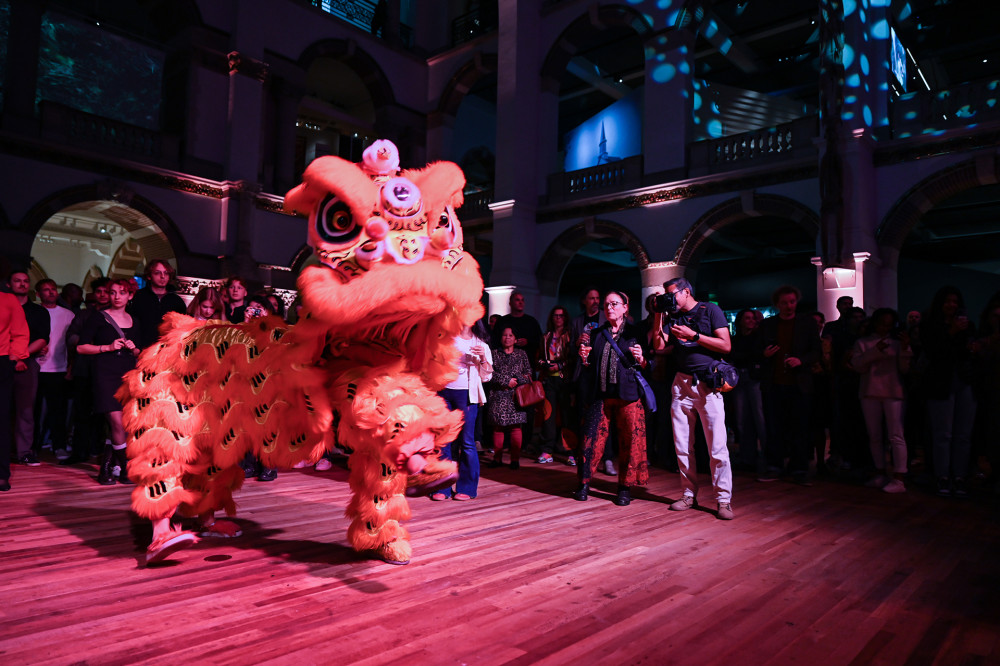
(806, 347)
(150, 309)
(628, 387)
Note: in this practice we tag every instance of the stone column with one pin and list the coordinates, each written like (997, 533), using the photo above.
(653, 277)
(517, 179)
(667, 102)
(245, 116)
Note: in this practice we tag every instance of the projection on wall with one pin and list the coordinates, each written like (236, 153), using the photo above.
(609, 136)
(898, 58)
(87, 68)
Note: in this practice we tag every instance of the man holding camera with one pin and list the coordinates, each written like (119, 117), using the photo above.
(698, 335)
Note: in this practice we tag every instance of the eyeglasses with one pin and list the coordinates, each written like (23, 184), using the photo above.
(614, 304)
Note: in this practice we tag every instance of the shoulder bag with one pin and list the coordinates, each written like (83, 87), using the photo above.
(646, 391)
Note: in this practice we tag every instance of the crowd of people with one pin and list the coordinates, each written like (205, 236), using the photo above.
(62, 360)
(869, 398)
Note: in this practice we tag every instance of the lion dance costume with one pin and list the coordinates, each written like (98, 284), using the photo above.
(361, 368)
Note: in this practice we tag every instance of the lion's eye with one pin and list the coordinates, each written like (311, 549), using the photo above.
(334, 221)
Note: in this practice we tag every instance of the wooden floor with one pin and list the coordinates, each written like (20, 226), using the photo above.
(833, 574)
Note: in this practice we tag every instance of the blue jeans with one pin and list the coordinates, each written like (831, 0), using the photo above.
(463, 450)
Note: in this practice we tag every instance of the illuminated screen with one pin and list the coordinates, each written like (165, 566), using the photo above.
(898, 58)
(609, 136)
(90, 69)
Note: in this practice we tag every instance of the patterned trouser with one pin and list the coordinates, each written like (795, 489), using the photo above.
(630, 418)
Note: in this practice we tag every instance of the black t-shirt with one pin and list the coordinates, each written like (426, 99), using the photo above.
(704, 318)
(149, 309)
(39, 322)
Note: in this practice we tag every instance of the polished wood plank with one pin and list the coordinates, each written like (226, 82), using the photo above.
(830, 574)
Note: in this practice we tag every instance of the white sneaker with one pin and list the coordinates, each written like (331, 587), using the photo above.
(894, 486)
(609, 468)
(300, 464)
(323, 465)
(877, 481)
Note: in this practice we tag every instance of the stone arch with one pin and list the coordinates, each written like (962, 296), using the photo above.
(483, 64)
(739, 208)
(366, 67)
(578, 33)
(560, 251)
(154, 232)
(925, 195)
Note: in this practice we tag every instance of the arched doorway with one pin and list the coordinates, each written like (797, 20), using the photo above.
(945, 231)
(98, 238)
(593, 252)
(743, 249)
(344, 91)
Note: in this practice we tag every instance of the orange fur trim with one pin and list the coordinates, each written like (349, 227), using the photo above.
(364, 536)
(335, 175)
(441, 185)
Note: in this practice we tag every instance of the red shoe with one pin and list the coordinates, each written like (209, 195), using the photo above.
(168, 543)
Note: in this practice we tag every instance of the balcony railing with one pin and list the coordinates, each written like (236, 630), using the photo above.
(479, 21)
(361, 13)
(762, 146)
(613, 176)
(930, 112)
(86, 130)
(476, 205)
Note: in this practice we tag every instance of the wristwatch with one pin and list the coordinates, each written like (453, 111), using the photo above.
(697, 336)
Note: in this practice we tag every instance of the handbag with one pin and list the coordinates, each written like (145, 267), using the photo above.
(645, 390)
(529, 394)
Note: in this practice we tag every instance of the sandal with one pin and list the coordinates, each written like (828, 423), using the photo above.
(462, 497)
(168, 543)
(222, 529)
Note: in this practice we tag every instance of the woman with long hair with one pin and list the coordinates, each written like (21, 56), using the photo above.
(465, 392)
(207, 305)
(947, 335)
(113, 337)
(881, 358)
(553, 355)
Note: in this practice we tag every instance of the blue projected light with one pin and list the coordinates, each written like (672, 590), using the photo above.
(714, 128)
(609, 136)
(898, 58)
(663, 73)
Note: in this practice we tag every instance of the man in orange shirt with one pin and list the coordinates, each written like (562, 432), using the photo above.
(13, 351)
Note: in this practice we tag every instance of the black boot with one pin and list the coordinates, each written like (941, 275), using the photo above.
(106, 477)
(121, 459)
(581, 494)
(624, 497)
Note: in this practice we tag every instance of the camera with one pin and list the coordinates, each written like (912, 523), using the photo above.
(665, 303)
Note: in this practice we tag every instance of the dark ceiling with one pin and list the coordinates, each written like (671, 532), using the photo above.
(776, 51)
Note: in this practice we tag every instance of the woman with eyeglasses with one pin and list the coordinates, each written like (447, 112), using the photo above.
(551, 365)
(612, 396)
